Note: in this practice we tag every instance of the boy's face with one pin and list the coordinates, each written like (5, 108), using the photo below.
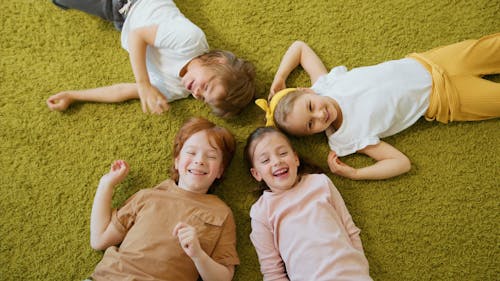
(203, 84)
(311, 114)
(275, 162)
(199, 163)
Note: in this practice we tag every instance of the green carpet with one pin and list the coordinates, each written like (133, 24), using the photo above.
(438, 222)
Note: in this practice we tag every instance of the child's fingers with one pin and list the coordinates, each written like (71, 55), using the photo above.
(177, 227)
(163, 104)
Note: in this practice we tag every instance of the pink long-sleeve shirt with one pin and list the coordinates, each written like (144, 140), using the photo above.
(307, 233)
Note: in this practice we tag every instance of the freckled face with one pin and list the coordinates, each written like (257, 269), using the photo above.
(199, 163)
(275, 162)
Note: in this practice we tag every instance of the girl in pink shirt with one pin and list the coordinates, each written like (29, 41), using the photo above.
(301, 228)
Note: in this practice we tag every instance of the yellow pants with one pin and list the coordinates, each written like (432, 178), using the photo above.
(459, 93)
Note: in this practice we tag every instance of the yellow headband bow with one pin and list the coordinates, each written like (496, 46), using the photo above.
(271, 106)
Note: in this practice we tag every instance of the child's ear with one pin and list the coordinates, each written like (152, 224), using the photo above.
(255, 174)
(297, 159)
(176, 163)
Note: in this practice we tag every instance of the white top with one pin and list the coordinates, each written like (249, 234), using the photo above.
(306, 233)
(376, 101)
(177, 42)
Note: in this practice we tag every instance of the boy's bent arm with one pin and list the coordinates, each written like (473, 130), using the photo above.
(138, 41)
(299, 53)
(212, 270)
(102, 232)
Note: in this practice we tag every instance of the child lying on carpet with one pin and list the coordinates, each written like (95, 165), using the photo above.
(170, 60)
(301, 228)
(174, 231)
(358, 107)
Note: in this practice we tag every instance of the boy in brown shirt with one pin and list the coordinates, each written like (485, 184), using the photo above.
(175, 231)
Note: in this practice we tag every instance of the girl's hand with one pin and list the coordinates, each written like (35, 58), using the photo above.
(279, 83)
(340, 168)
(188, 239)
(119, 170)
(152, 100)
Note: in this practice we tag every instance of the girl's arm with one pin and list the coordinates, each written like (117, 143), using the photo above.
(151, 98)
(208, 268)
(299, 53)
(102, 232)
(345, 216)
(271, 264)
(390, 162)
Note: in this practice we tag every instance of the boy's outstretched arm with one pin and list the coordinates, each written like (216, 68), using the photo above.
(102, 232)
(208, 268)
(138, 41)
(390, 163)
(299, 53)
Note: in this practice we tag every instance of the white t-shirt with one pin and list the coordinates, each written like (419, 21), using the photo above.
(177, 42)
(376, 101)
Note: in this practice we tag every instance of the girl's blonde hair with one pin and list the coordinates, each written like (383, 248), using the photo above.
(284, 108)
(221, 137)
(238, 77)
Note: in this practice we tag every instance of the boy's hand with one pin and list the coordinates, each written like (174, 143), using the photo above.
(152, 100)
(188, 239)
(278, 84)
(119, 170)
(340, 168)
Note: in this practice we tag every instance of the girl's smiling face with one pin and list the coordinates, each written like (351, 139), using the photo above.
(275, 162)
(199, 163)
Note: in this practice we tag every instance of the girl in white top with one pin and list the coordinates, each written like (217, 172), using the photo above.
(357, 108)
(301, 228)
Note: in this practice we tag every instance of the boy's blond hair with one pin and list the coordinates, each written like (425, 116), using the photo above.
(284, 108)
(238, 77)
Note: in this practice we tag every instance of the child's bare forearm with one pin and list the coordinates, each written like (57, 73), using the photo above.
(299, 53)
(211, 270)
(100, 217)
(108, 94)
(390, 162)
(383, 169)
(290, 60)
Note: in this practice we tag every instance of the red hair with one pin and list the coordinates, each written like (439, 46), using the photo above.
(220, 136)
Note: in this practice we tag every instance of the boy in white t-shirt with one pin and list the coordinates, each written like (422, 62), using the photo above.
(358, 107)
(170, 59)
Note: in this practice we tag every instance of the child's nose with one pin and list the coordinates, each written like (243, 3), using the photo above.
(318, 114)
(199, 160)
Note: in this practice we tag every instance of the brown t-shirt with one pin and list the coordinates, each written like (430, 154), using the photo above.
(149, 251)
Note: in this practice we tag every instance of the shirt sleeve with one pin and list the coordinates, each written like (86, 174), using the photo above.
(123, 218)
(225, 250)
(271, 264)
(179, 34)
(339, 205)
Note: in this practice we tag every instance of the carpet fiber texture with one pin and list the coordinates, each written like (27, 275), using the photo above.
(440, 221)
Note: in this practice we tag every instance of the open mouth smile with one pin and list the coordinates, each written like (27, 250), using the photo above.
(197, 172)
(280, 172)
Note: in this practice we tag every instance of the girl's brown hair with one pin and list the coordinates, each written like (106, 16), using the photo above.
(305, 167)
(220, 136)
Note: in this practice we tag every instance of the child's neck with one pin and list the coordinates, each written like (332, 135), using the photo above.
(338, 121)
